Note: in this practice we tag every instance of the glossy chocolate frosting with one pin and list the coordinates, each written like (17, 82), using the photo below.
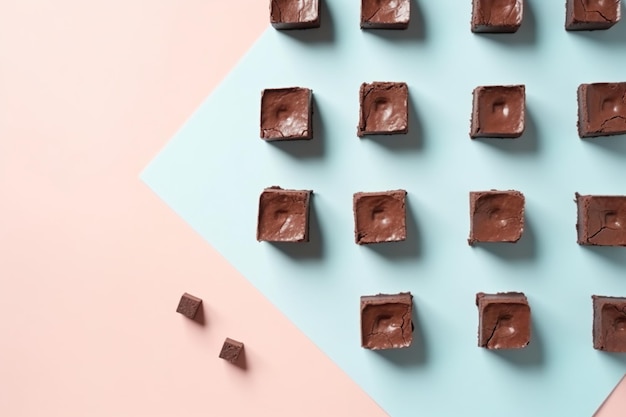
(496, 216)
(592, 14)
(385, 14)
(601, 109)
(384, 108)
(497, 16)
(504, 320)
(386, 321)
(294, 14)
(601, 220)
(286, 113)
(609, 323)
(498, 111)
(379, 217)
(283, 215)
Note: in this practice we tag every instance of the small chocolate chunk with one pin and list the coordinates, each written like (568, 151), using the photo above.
(601, 109)
(601, 220)
(386, 321)
(384, 108)
(231, 350)
(188, 305)
(497, 16)
(295, 14)
(385, 14)
(591, 14)
(286, 113)
(503, 320)
(496, 216)
(498, 111)
(609, 323)
(283, 215)
(379, 217)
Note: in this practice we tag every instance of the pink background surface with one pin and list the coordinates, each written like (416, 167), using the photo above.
(92, 264)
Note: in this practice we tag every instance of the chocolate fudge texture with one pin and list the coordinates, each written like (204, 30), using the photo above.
(295, 14)
(286, 113)
(601, 220)
(385, 14)
(383, 108)
(379, 217)
(609, 323)
(386, 321)
(188, 305)
(591, 14)
(503, 320)
(231, 350)
(601, 109)
(496, 216)
(498, 111)
(497, 16)
(283, 215)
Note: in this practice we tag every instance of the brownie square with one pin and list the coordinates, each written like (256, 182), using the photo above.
(497, 16)
(386, 321)
(295, 14)
(601, 109)
(591, 14)
(188, 305)
(379, 217)
(601, 220)
(231, 350)
(498, 111)
(384, 108)
(385, 14)
(496, 216)
(286, 113)
(503, 320)
(283, 215)
(609, 323)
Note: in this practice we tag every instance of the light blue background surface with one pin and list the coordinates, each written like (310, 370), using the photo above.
(214, 169)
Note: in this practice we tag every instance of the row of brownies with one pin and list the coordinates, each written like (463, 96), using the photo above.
(488, 16)
(495, 216)
(497, 111)
(504, 321)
